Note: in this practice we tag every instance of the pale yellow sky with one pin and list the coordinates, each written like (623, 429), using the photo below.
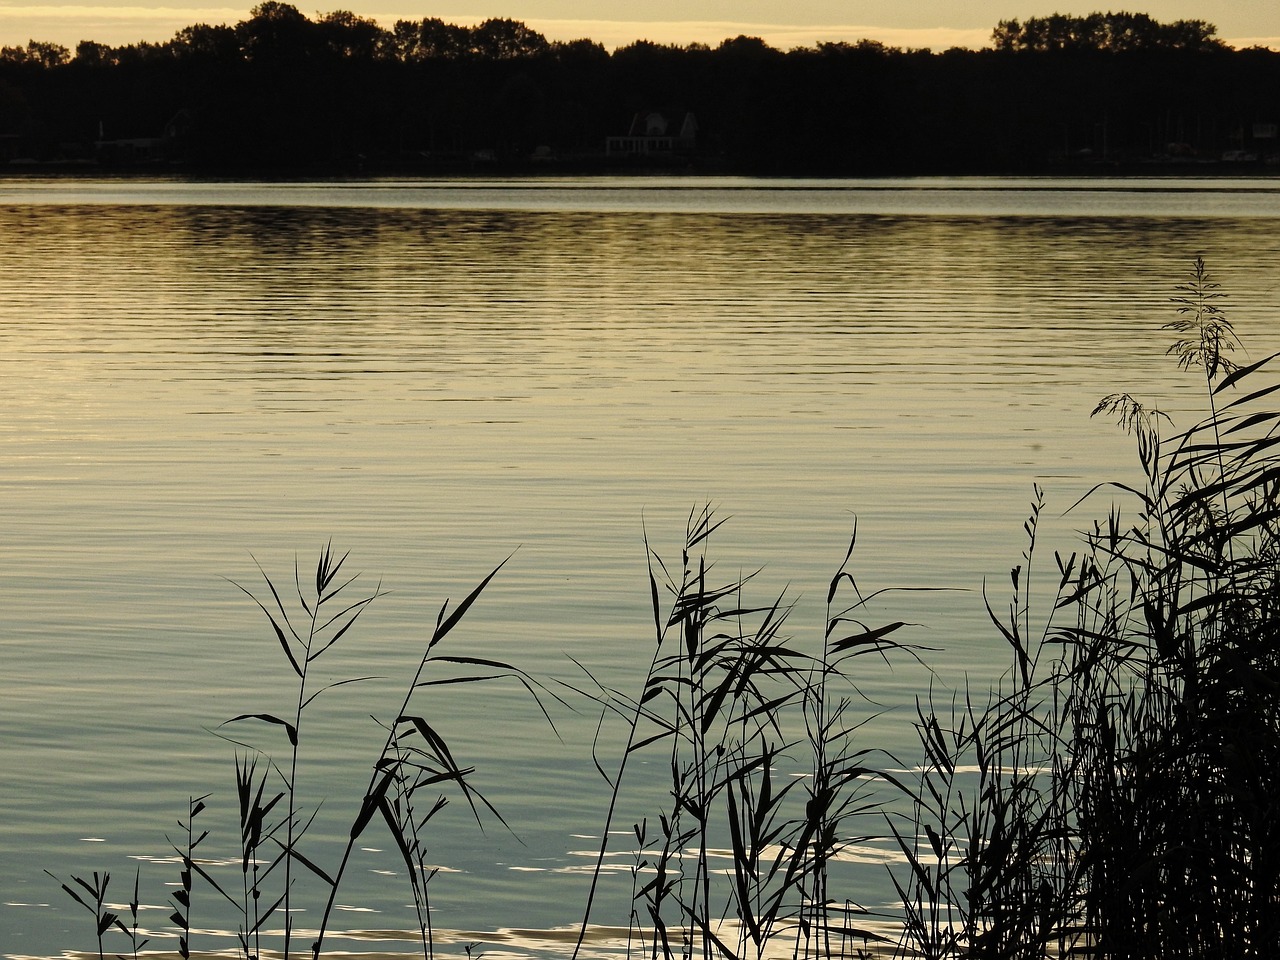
(929, 23)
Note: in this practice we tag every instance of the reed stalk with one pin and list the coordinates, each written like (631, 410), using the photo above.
(415, 757)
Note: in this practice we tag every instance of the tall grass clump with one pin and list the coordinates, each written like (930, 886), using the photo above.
(1114, 793)
(719, 677)
(412, 778)
(764, 778)
(1175, 670)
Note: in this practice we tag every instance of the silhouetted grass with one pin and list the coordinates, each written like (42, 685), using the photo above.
(1113, 793)
(93, 897)
(1124, 804)
(1174, 666)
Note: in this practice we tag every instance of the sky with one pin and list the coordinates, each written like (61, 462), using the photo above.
(938, 24)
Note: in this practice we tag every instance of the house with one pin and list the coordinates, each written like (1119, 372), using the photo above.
(652, 135)
(135, 150)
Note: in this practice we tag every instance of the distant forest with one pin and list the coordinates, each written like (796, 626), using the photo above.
(281, 93)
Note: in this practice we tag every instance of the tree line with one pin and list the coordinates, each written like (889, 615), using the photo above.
(280, 91)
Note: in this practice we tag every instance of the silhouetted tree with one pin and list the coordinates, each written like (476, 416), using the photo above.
(579, 52)
(747, 48)
(37, 53)
(431, 39)
(275, 31)
(89, 53)
(1114, 32)
(345, 35)
(211, 42)
(500, 39)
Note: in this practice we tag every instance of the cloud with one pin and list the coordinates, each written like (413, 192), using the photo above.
(84, 12)
(70, 24)
(1242, 43)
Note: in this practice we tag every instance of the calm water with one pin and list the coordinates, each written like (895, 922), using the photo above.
(435, 375)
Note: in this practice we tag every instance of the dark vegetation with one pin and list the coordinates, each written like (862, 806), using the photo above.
(1111, 794)
(282, 94)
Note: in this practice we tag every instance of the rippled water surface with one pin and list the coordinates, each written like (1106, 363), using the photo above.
(199, 378)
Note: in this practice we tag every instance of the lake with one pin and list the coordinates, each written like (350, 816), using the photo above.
(201, 377)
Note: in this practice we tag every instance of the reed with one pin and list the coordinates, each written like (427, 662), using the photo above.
(180, 899)
(840, 789)
(719, 678)
(92, 895)
(415, 757)
(256, 830)
(323, 616)
(762, 757)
